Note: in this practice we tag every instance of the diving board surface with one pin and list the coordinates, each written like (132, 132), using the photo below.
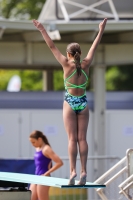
(44, 180)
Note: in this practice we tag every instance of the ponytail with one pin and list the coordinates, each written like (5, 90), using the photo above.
(75, 51)
(77, 62)
(45, 140)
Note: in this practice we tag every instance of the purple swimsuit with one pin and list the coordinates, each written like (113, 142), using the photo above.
(41, 163)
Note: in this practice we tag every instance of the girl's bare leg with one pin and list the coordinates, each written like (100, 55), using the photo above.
(43, 192)
(83, 119)
(70, 123)
(33, 189)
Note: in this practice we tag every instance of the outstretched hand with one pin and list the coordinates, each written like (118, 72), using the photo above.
(103, 24)
(38, 25)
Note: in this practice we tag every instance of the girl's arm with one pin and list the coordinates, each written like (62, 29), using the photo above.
(48, 152)
(97, 40)
(60, 58)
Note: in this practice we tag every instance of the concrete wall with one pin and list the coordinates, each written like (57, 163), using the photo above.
(38, 56)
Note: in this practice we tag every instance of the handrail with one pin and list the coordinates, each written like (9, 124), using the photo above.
(67, 158)
(128, 179)
(124, 189)
(114, 177)
(110, 170)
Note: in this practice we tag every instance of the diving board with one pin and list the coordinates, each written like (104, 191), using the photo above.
(44, 180)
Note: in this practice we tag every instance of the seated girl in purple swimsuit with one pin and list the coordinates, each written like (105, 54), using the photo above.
(43, 163)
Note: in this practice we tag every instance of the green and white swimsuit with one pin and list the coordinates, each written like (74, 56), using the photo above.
(77, 103)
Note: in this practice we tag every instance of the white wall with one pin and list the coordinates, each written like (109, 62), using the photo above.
(119, 132)
(16, 125)
(9, 134)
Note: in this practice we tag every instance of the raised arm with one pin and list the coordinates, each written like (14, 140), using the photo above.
(97, 40)
(60, 58)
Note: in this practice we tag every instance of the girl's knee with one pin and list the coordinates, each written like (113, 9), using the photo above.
(82, 140)
(73, 140)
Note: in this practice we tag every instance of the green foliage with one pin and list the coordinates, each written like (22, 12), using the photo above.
(119, 78)
(31, 79)
(58, 80)
(112, 75)
(26, 9)
(5, 77)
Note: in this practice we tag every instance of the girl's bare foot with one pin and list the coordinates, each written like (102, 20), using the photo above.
(72, 179)
(82, 180)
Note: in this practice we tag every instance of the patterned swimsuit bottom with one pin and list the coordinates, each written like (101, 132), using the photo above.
(77, 103)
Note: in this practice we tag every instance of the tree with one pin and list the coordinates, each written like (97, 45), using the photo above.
(119, 78)
(27, 9)
(31, 79)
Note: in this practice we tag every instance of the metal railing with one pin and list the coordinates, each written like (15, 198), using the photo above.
(126, 187)
(116, 178)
